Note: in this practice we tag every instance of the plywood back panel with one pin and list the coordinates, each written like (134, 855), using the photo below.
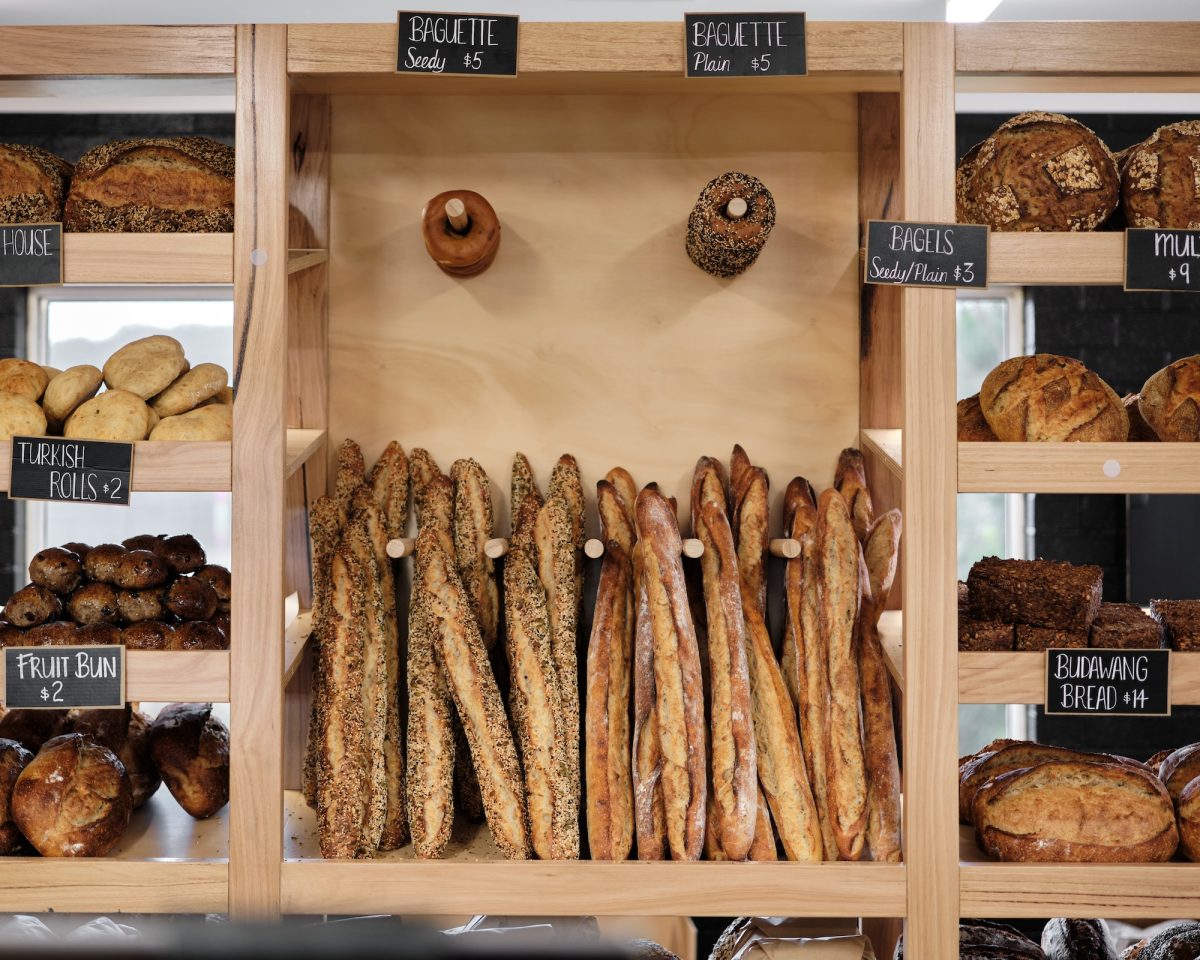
(592, 332)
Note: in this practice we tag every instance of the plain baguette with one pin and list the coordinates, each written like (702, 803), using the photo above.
(648, 808)
(750, 513)
(472, 530)
(799, 517)
(850, 480)
(764, 847)
(622, 481)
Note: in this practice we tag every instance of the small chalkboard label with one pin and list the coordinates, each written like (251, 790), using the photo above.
(74, 471)
(1112, 683)
(904, 253)
(744, 45)
(30, 253)
(1162, 259)
(62, 678)
(481, 44)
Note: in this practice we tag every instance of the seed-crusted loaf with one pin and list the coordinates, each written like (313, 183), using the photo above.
(1125, 626)
(1048, 397)
(1038, 171)
(1047, 638)
(1042, 593)
(1078, 812)
(972, 424)
(1160, 178)
(1067, 939)
(1181, 622)
(158, 185)
(33, 184)
(1170, 401)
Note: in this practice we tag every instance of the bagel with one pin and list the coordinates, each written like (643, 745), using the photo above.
(469, 252)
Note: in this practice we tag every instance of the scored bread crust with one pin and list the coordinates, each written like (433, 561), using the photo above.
(649, 810)
(472, 530)
(389, 483)
(1179, 768)
(1189, 820)
(763, 849)
(1160, 178)
(622, 481)
(522, 487)
(1048, 397)
(850, 480)
(749, 493)
(469, 677)
(44, 205)
(1170, 401)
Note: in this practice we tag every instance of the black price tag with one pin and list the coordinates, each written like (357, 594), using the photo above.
(462, 43)
(74, 471)
(30, 253)
(62, 678)
(1162, 259)
(1111, 683)
(926, 254)
(744, 45)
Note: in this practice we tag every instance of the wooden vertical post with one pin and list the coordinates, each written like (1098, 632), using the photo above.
(259, 432)
(930, 491)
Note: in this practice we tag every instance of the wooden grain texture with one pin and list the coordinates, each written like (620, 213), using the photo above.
(593, 332)
(654, 48)
(887, 446)
(302, 446)
(1035, 259)
(163, 465)
(192, 676)
(115, 50)
(303, 259)
(1077, 48)
(1078, 467)
(260, 342)
(891, 637)
(295, 639)
(930, 663)
(1021, 678)
(95, 258)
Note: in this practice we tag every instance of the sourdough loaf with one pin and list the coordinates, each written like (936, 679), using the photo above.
(1170, 401)
(33, 184)
(972, 424)
(1047, 397)
(1160, 178)
(1189, 820)
(1179, 768)
(1180, 942)
(1139, 430)
(1067, 939)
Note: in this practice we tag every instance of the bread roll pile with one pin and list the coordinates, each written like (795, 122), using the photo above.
(70, 780)
(151, 592)
(151, 392)
(696, 739)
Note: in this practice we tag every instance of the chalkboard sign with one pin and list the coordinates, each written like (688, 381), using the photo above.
(744, 45)
(1162, 259)
(1108, 682)
(30, 253)
(61, 678)
(926, 254)
(468, 44)
(75, 471)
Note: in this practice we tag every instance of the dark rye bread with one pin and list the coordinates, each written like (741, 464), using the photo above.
(1042, 593)
(1125, 626)
(979, 635)
(1030, 638)
(158, 185)
(1180, 942)
(33, 184)
(1181, 622)
(1160, 178)
(1067, 939)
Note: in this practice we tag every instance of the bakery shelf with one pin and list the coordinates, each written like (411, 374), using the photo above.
(1035, 259)
(303, 259)
(888, 447)
(992, 889)
(94, 258)
(161, 466)
(1079, 468)
(474, 879)
(295, 639)
(105, 51)
(193, 676)
(997, 677)
(166, 863)
(301, 446)
(891, 636)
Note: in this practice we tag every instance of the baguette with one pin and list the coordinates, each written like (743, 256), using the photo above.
(712, 831)
(616, 515)
(389, 483)
(472, 530)
(739, 471)
(882, 552)
(799, 516)
(764, 847)
(523, 486)
(678, 686)
(839, 592)
(325, 536)
(350, 474)
(750, 513)
(734, 759)
(533, 697)
(626, 489)
(850, 481)
(648, 808)
(422, 471)
(344, 787)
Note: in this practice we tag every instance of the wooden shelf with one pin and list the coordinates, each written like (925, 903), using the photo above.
(1036, 259)
(191, 676)
(301, 445)
(992, 889)
(166, 863)
(1079, 467)
(295, 639)
(116, 50)
(161, 466)
(891, 635)
(999, 677)
(888, 447)
(148, 258)
(303, 259)
(475, 879)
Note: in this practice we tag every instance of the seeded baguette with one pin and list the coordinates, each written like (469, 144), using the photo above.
(648, 806)
(523, 486)
(325, 536)
(350, 474)
(389, 483)
(473, 529)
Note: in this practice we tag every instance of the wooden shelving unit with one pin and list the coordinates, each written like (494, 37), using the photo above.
(1021, 678)
(1040, 259)
(1078, 468)
(161, 466)
(147, 258)
(302, 445)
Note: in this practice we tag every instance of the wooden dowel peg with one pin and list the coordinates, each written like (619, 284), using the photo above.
(496, 547)
(736, 208)
(785, 547)
(693, 548)
(401, 547)
(593, 548)
(456, 213)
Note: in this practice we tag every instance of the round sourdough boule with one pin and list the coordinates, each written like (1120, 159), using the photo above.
(94, 603)
(190, 747)
(100, 562)
(103, 634)
(1038, 171)
(1160, 178)
(13, 759)
(127, 734)
(147, 635)
(31, 728)
(1170, 401)
(140, 569)
(73, 799)
(1179, 768)
(113, 415)
(203, 382)
(1189, 820)
(138, 605)
(197, 635)
(972, 424)
(20, 417)
(191, 599)
(146, 367)
(32, 605)
(182, 552)
(61, 633)
(68, 390)
(211, 422)
(1047, 397)
(56, 569)
(22, 377)
(221, 581)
